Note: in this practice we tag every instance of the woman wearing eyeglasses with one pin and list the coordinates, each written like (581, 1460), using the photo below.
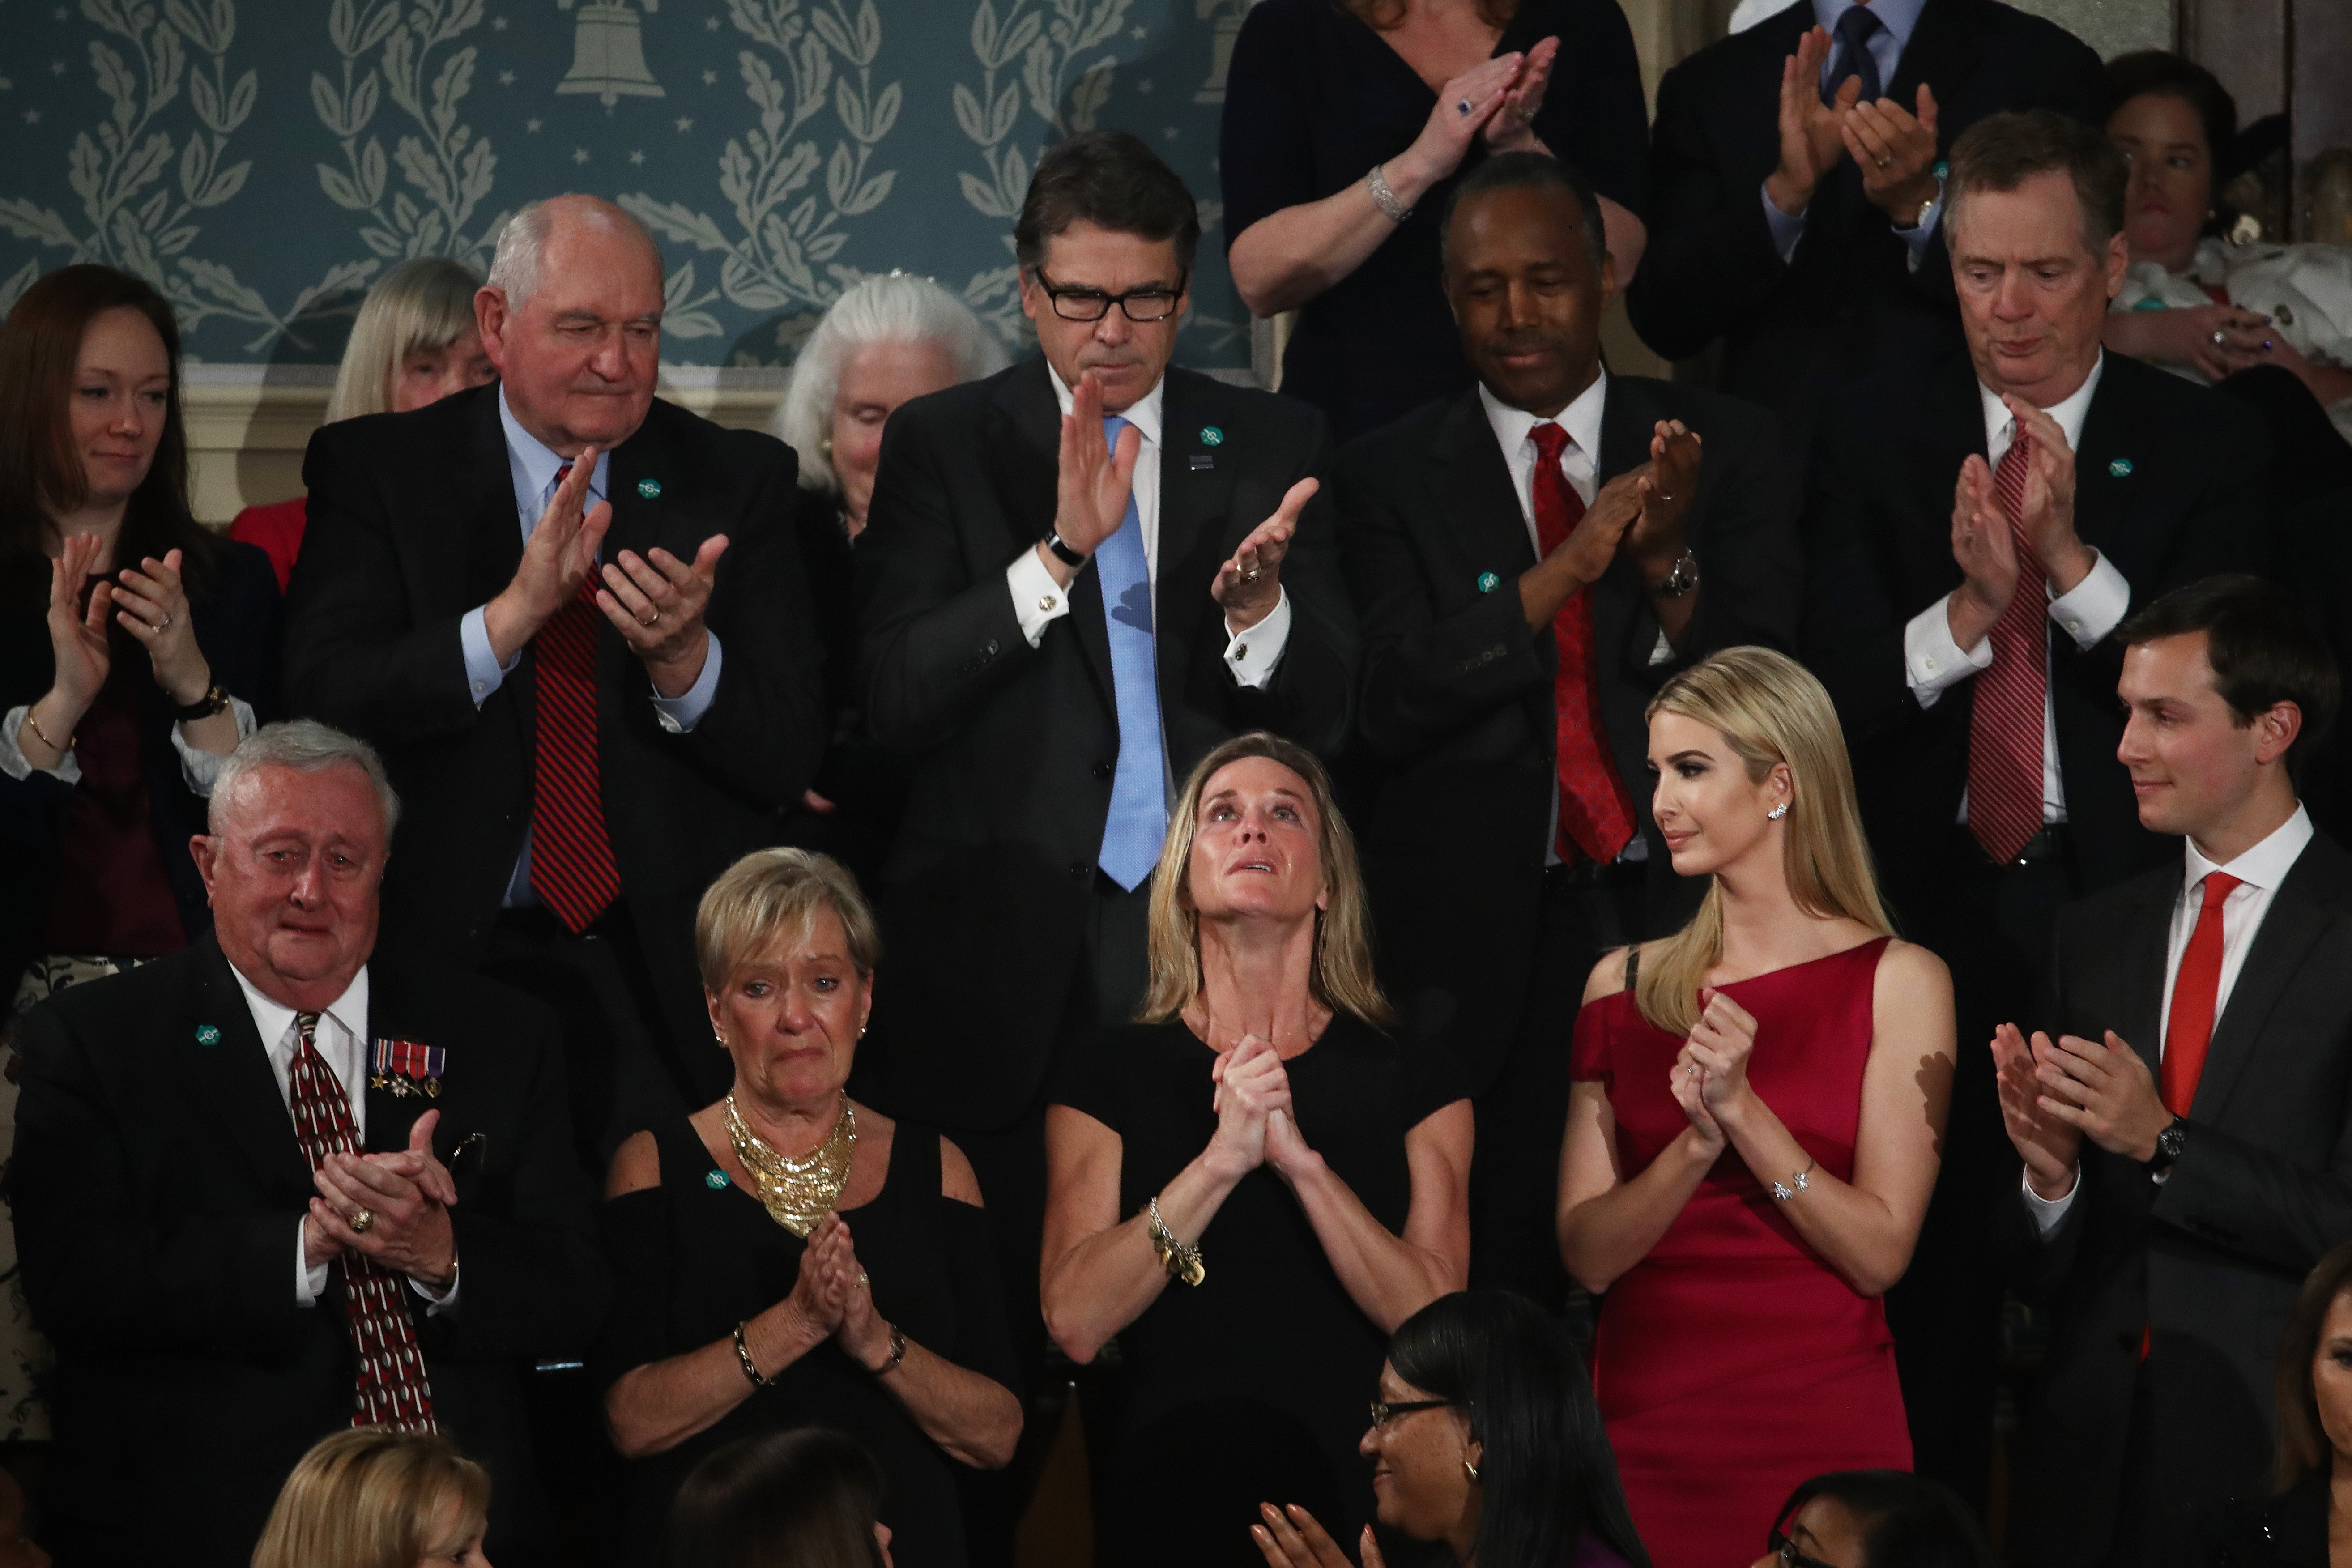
(1485, 1438)
(1754, 1112)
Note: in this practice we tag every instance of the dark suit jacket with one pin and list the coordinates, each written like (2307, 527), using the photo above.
(2167, 486)
(988, 887)
(157, 1185)
(1791, 329)
(413, 525)
(236, 625)
(1457, 710)
(2209, 1262)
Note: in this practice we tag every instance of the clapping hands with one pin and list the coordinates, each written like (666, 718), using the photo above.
(1893, 147)
(405, 1196)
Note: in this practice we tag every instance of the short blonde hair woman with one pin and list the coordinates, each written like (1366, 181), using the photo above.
(413, 343)
(1263, 1124)
(376, 1497)
(1755, 1113)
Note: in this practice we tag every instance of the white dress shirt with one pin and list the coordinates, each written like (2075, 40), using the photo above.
(2259, 870)
(1896, 18)
(340, 1040)
(1579, 465)
(1252, 656)
(1933, 662)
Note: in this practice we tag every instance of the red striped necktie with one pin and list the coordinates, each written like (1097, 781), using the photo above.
(393, 1390)
(571, 868)
(1596, 814)
(2006, 722)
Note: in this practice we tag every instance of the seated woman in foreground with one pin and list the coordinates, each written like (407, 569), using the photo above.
(1755, 1114)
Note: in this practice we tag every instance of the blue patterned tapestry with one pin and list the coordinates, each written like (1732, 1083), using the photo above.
(261, 160)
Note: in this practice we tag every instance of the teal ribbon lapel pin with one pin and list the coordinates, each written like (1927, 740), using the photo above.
(649, 488)
(2121, 468)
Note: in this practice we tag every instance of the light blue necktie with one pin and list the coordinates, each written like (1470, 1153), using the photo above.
(1138, 823)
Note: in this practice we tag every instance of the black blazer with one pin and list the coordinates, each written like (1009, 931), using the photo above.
(987, 889)
(1457, 711)
(2166, 487)
(157, 1185)
(237, 624)
(1791, 329)
(413, 525)
(2209, 1262)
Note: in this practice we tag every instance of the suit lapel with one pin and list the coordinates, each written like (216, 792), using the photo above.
(491, 545)
(236, 1074)
(1196, 525)
(2103, 464)
(2145, 944)
(392, 1014)
(1942, 53)
(1476, 495)
(2296, 920)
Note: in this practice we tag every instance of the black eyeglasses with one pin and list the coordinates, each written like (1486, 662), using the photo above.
(1141, 305)
(1382, 1411)
(1786, 1551)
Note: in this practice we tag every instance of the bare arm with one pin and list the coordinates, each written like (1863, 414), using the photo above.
(1389, 1277)
(1866, 1228)
(1607, 1223)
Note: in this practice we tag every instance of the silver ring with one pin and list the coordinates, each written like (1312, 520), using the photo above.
(1884, 161)
(166, 621)
(1252, 575)
(362, 1221)
(1462, 106)
(2219, 337)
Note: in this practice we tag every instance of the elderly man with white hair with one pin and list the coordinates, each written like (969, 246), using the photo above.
(271, 1186)
(574, 618)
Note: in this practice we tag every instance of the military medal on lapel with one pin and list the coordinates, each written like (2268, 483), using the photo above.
(407, 1069)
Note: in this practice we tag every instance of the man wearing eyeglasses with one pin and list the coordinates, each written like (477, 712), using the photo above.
(1077, 578)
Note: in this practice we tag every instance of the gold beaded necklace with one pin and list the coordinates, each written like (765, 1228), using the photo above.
(798, 1192)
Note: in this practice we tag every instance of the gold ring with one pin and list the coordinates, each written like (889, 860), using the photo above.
(1884, 161)
(362, 1221)
(1252, 575)
(651, 620)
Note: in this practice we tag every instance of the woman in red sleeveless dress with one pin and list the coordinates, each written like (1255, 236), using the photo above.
(1753, 1128)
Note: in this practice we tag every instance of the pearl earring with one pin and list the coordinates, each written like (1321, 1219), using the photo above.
(720, 1039)
(1778, 811)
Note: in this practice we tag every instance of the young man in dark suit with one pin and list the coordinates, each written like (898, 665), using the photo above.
(1976, 533)
(403, 1128)
(2183, 1114)
(1798, 185)
(1077, 578)
(1531, 561)
(574, 619)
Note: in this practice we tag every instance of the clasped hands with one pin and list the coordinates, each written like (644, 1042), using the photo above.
(655, 601)
(2054, 1095)
(407, 1195)
(1255, 1121)
(1894, 148)
(833, 1300)
(1985, 545)
(1709, 1077)
(1090, 504)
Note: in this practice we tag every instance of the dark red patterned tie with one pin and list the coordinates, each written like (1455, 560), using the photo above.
(393, 1390)
(2005, 723)
(571, 868)
(1596, 814)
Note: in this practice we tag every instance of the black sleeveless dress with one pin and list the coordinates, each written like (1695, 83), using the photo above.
(697, 1255)
(1251, 1386)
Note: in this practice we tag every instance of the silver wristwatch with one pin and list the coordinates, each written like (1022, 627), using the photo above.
(1682, 580)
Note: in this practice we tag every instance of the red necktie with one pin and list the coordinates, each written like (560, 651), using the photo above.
(2005, 726)
(393, 1390)
(1596, 814)
(571, 868)
(2188, 1027)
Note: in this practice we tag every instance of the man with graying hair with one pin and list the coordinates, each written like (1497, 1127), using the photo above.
(574, 618)
(269, 1186)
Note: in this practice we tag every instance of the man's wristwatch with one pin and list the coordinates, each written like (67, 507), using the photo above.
(213, 702)
(1682, 580)
(2168, 1146)
(1067, 557)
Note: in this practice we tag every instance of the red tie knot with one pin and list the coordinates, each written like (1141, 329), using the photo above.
(1550, 441)
(2220, 884)
(563, 472)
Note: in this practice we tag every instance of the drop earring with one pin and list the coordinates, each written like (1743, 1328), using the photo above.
(1470, 1469)
(1778, 811)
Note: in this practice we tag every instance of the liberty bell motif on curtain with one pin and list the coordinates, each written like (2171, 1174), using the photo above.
(608, 52)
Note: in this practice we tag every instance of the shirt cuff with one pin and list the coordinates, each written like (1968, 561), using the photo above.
(17, 766)
(2048, 1212)
(1786, 230)
(1253, 655)
(1037, 600)
(440, 1304)
(682, 712)
(483, 673)
(1915, 238)
(2096, 605)
(201, 768)
(1932, 661)
(309, 1283)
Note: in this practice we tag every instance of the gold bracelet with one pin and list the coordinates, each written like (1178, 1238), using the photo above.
(34, 719)
(1182, 1262)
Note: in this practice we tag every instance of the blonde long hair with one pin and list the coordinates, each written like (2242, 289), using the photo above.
(423, 305)
(371, 1497)
(1343, 978)
(1768, 708)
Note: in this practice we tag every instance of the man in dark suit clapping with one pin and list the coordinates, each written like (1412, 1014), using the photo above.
(1077, 578)
(1977, 529)
(1531, 561)
(2184, 1110)
(574, 618)
(179, 1124)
